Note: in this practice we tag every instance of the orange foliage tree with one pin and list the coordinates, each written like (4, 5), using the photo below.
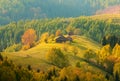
(58, 32)
(29, 37)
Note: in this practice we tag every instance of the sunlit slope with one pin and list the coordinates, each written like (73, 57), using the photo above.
(106, 16)
(36, 56)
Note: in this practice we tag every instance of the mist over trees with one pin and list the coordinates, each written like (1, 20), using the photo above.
(14, 10)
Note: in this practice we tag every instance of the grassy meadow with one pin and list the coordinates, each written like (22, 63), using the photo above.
(36, 56)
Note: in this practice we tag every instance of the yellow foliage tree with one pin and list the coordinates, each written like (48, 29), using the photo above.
(116, 50)
(70, 30)
(89, 54)
(56, 57)
(116, 71)
(58, 32)
(104, 53)
(77, 31)
(44, 37)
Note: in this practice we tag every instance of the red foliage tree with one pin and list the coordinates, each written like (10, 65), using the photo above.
(29, 37)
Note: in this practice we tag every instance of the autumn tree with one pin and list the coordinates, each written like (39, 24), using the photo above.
(58, 32)
(116, 71)
(29, 37)
(116, 50)
(44, 37)
(51, 38)
(70, 30)
(89, 54)
(104, 53)
(56, 57)
(78, 64)
(70, 74)
(75, 50)
(77, 31)
(110, 62)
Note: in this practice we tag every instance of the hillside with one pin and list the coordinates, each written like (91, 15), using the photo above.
(36, 56)
(59, 40)
(90, 49)
(94, 27)
(14, 10)
(110, 10)
(83, 55)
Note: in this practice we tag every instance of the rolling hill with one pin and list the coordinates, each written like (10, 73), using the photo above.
(85, 56)
(36, 56)
(94, 27)
(59, 40)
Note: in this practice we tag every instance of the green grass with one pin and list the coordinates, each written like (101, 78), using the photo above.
(36, 56)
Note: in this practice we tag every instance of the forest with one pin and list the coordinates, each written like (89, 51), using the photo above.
(93, 27)
(15, 10)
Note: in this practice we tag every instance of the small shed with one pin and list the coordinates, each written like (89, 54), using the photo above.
(60, 39)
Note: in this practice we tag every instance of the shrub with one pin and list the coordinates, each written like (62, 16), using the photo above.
(56, 57)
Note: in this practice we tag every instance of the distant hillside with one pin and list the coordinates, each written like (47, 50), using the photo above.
(14, 10)
(94, 27)
(110, 10)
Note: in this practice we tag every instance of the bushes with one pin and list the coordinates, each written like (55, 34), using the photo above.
(25, 47)
(56, 57)
(89, 54)
(13, 48)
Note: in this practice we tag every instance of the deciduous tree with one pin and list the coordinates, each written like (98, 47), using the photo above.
(58, 32)
(56, 57)
(44, 37)
(29, 37)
